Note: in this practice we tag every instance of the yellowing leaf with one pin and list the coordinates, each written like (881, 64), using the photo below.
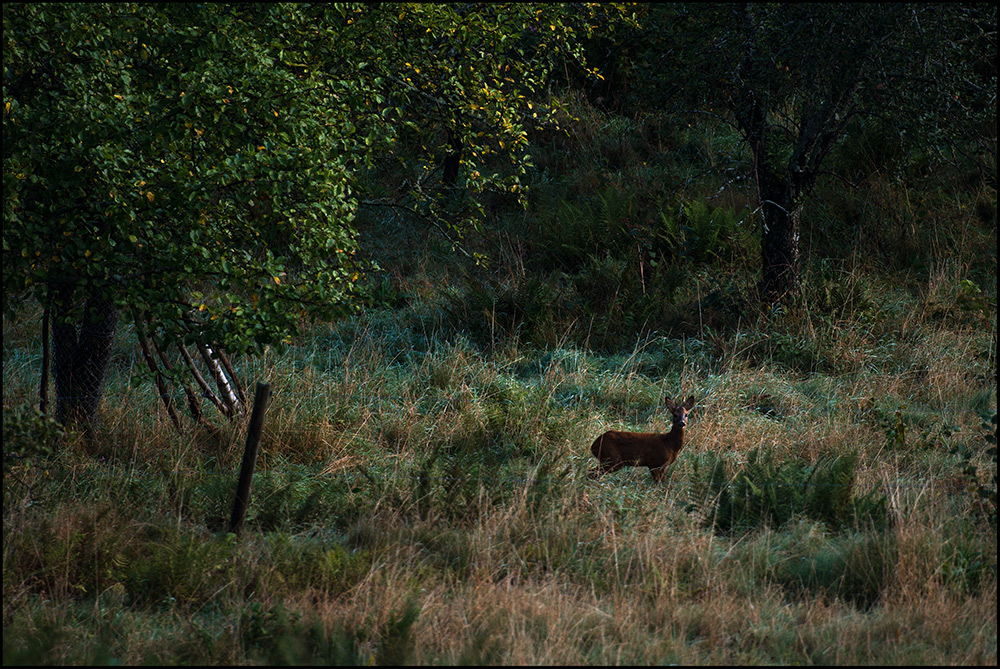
(277, 281)
(149, 196)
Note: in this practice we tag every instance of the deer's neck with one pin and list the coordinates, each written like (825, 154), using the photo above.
(675, 437)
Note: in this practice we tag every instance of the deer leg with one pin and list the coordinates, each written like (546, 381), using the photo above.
(604, 468)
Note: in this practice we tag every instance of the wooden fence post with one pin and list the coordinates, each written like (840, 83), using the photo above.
(249, 458)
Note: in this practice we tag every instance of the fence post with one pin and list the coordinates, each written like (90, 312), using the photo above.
(249, 458)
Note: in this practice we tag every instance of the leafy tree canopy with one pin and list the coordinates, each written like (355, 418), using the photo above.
(163, 156)
(196, 162)
(196, 166)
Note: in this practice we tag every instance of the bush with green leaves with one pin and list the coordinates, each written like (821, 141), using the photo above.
(28, 435)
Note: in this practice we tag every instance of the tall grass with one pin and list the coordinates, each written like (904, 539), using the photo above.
(421, 493)
(427, 503)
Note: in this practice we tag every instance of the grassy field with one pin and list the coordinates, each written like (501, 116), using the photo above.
(421, 498)
(421, 495)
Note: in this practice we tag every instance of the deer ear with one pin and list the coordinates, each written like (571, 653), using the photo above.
(690, 403)
(670, 403)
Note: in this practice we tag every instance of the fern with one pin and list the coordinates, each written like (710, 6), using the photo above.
(765, 492)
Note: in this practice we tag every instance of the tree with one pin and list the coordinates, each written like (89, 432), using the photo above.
(457, 88)
(194, 167)
(161, 162)
(794, 79)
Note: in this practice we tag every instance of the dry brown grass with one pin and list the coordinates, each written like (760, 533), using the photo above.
(449, 481)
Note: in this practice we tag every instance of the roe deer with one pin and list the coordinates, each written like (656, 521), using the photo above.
(615, 450)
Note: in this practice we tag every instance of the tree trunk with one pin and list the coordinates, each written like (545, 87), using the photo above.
(779, 245)
(780, 200)
(82, 351)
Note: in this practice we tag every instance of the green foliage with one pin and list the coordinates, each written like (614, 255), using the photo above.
(836, 293)
(704, 233)
(326, 565)
(528, 307)
(469, 475)
(277, 636)
(968, 563)
(609, 266)
(964, 302)
(570, 234)
(176, 567)
(895, 431)
(456, 482)
(457, 89)
(37, 647)
(187, 172)
(763, 491)
(982, 483)
(619, 224)
(27, 436)
(794, 79)
(75, 554)
(290, 497)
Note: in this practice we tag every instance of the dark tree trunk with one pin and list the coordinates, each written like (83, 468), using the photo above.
(82, 351)
(778, 189)
(779, 245)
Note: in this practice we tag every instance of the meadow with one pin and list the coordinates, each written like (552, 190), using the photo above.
(421, 495)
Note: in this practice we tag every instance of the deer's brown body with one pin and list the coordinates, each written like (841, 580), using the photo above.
(615, 449)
